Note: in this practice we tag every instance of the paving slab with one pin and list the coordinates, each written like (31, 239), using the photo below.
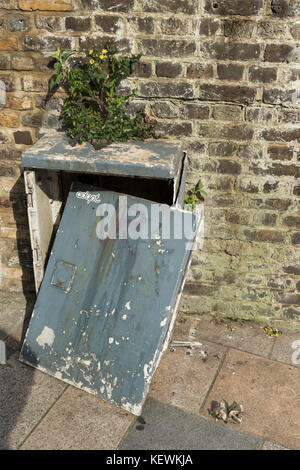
(14, 309)
(287, 348)
(269, 392)
(184, 376)
(25, 397)
(183, 327)
(250, 338)
(167, 427)
(269, 445)
(79, 421)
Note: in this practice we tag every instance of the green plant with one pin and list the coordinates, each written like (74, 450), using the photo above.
(95, 111)
(195, 195)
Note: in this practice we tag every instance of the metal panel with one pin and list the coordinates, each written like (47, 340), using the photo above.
(148, 159)
(106, 307)
(43, 208)
(180, 187)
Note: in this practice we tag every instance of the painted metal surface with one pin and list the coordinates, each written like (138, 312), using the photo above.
(149, 159)
(43, 191)
(106, 308)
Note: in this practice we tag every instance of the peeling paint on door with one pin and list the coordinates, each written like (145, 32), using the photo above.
(104, 329)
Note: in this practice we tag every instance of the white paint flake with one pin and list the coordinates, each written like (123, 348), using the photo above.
(127, 305)
(148, 371)
(134, 409)
(86, 363)
(46, 337)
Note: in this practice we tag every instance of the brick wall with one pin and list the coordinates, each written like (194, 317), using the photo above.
(220, 74)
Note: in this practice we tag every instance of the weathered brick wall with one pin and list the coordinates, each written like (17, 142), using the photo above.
(221, 75)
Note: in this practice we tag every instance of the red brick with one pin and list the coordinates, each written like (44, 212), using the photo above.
(196, 111)
(55, 5)
(234, 7)
(230, 51)
(23, 137)
(8, 118)
(278, 52)
(8, 44)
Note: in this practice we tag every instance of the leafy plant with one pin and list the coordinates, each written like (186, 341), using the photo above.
(195, 195)
(95, 111)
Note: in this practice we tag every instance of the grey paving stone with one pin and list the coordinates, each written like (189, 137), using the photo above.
(80, 421)
(25, 397)
(268, 391)
(287, 348)
(270, 445)
(14, 309)
(250, 338)
(183, 377)
(167, 427)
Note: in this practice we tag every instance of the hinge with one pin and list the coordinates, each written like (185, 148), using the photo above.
(29, 199)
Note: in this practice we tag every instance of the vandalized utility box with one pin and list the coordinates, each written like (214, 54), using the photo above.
(154, 170)
(106, 305)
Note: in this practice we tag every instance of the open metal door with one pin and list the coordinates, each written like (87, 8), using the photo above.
(106, 306)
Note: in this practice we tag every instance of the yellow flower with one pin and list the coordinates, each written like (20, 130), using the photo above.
(102, 57)
(91, 51)
(104, 51)
(92, 61)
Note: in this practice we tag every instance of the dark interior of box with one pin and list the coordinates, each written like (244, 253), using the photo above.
(157, 190)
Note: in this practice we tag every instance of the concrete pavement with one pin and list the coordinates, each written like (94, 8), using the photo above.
(242, 363)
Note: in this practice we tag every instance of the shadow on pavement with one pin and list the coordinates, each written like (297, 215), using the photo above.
(16, 380)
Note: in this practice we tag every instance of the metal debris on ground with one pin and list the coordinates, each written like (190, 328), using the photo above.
(190, 345)
(272, 331)
(185, 344)
(228, 413)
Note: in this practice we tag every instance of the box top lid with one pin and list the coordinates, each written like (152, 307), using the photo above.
(148, 159)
